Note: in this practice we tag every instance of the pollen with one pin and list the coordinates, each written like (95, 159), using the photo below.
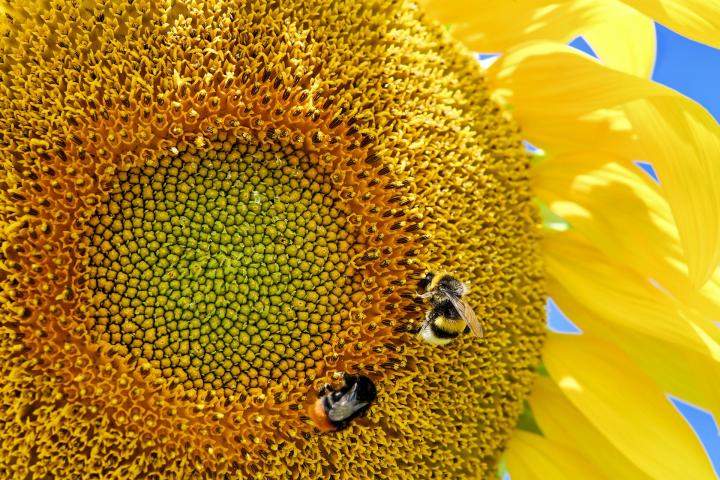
(208, 210)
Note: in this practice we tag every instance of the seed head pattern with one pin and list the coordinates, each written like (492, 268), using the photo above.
(209, 208)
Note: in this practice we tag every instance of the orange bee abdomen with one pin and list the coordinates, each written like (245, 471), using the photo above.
(317, 412)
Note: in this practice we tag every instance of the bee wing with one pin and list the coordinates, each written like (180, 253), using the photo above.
(345, 409)
(468, 314)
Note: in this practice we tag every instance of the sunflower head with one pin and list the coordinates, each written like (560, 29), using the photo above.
(209, 210)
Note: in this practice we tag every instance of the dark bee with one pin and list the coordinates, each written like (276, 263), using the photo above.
(450, 314)
(335, 409)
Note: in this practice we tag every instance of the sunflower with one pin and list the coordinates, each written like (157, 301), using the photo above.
(209, 209)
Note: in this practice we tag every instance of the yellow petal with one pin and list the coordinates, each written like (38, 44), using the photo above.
(680, 371)
(497, 25)
(620, 296)
(686, 142)
(696, 19)
(711, 290)
(674, 133)
(633, 51)
(625, 406)
(612, 205)
(532, 457)
(563, 424)
(617, 208)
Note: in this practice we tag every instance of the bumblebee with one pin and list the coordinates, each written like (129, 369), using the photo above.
(335, 409)
(450, 314)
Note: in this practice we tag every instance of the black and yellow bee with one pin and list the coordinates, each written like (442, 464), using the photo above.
(450, 314)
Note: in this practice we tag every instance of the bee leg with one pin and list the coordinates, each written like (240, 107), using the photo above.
(425, 295)
(417, 330)
(425, 324)
(325, 388)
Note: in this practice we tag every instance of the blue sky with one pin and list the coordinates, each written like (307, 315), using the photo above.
(693, 70)
(690, 68)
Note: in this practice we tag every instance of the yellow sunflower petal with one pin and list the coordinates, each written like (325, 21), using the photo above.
(497, 25)
(612, 205)
(696, 19)
(681, 371)
(684, 152)
(711, 291)
(625, 406)
(620, 295)
(674, 133)
(618, 208)
(531, 457)
(634, 50)
(563, 424)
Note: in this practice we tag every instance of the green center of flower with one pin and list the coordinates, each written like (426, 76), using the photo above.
(225, 268)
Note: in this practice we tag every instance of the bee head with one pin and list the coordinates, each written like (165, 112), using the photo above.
(366, 390)
(426, 280)
(359, 387)
(452, 285)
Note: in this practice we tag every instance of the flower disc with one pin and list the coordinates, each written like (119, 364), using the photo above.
(210, 209)
(223, 269)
